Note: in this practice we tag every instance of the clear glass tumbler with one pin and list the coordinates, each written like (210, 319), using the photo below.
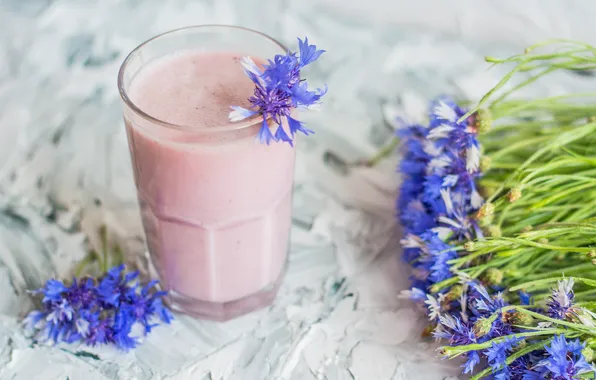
(215, 203)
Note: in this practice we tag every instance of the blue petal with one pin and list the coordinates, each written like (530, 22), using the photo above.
(296, 126)
(282, 72)
(264, 136)
(308, 53)
(473, 359)
(32, 319)
(116, 271)
(301, 96)
(149, 286)
(281, 135)
(131, 276)
(240, 113)
(53, 290)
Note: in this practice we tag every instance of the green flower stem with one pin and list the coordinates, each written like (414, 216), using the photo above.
(545, 104)
(576, 326)
(91, 257)
(521, 144)
(585, 294)
(526, 350)
(562, 194)
(103, 236)
(510, 241)
(562, 139)
(118, 255)
(455, 351)
(435, 288)
(383, 152)
(560, 60)
(546, 282)
(589, 267)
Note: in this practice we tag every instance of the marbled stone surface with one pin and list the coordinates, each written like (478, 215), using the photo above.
(64, 169)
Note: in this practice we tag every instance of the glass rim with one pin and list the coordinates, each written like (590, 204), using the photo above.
(227, 127)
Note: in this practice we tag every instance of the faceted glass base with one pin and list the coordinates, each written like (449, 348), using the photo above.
(224, 311)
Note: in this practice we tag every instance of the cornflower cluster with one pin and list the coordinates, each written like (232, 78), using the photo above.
(96, 312)
(439, 208)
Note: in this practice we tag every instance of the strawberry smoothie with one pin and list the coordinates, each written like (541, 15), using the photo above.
(215, 203)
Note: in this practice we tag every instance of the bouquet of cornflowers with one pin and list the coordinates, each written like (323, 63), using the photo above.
(498, 209)
(102, 310)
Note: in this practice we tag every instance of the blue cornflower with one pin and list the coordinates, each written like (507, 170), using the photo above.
(114, 288)
(447, 131)
(522, 368)
(565, 360)
(432, 187)
(444, 109)
(416, 219)
(459, 334)
(560, 303)
(484, 304)
(415, 159)
(439, 253)
(52, 291)
(410, 191)
(498, 353)
(279, 89)
(98, 312)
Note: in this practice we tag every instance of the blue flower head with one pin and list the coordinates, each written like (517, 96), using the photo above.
(565, 359)
(98, 312)
(279, 88)
(459, 333)
(498, 353)
(560, 303)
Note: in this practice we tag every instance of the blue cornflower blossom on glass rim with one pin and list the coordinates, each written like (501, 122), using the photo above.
(279, 89)
(101, 311)
(565, 360)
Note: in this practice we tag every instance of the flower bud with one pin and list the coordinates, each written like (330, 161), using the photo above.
(469, 246)
(486, 221)
(543, 241)
(527, 229)
(514, 194)
(482, 327)
(520, 346)
(494, 231)
(593, 261)
(483, 120)
(485, 162)
(487, 209)
(588, 354)
(428, 331)
(454, 293)
(522, 319)
(493, 276)
(592, 254)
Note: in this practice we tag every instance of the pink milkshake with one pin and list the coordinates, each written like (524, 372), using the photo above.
(215, 203)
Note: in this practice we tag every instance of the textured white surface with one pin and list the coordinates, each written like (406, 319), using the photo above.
(337, 315)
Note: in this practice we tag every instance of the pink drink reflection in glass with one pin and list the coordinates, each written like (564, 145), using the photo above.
(215, 203)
